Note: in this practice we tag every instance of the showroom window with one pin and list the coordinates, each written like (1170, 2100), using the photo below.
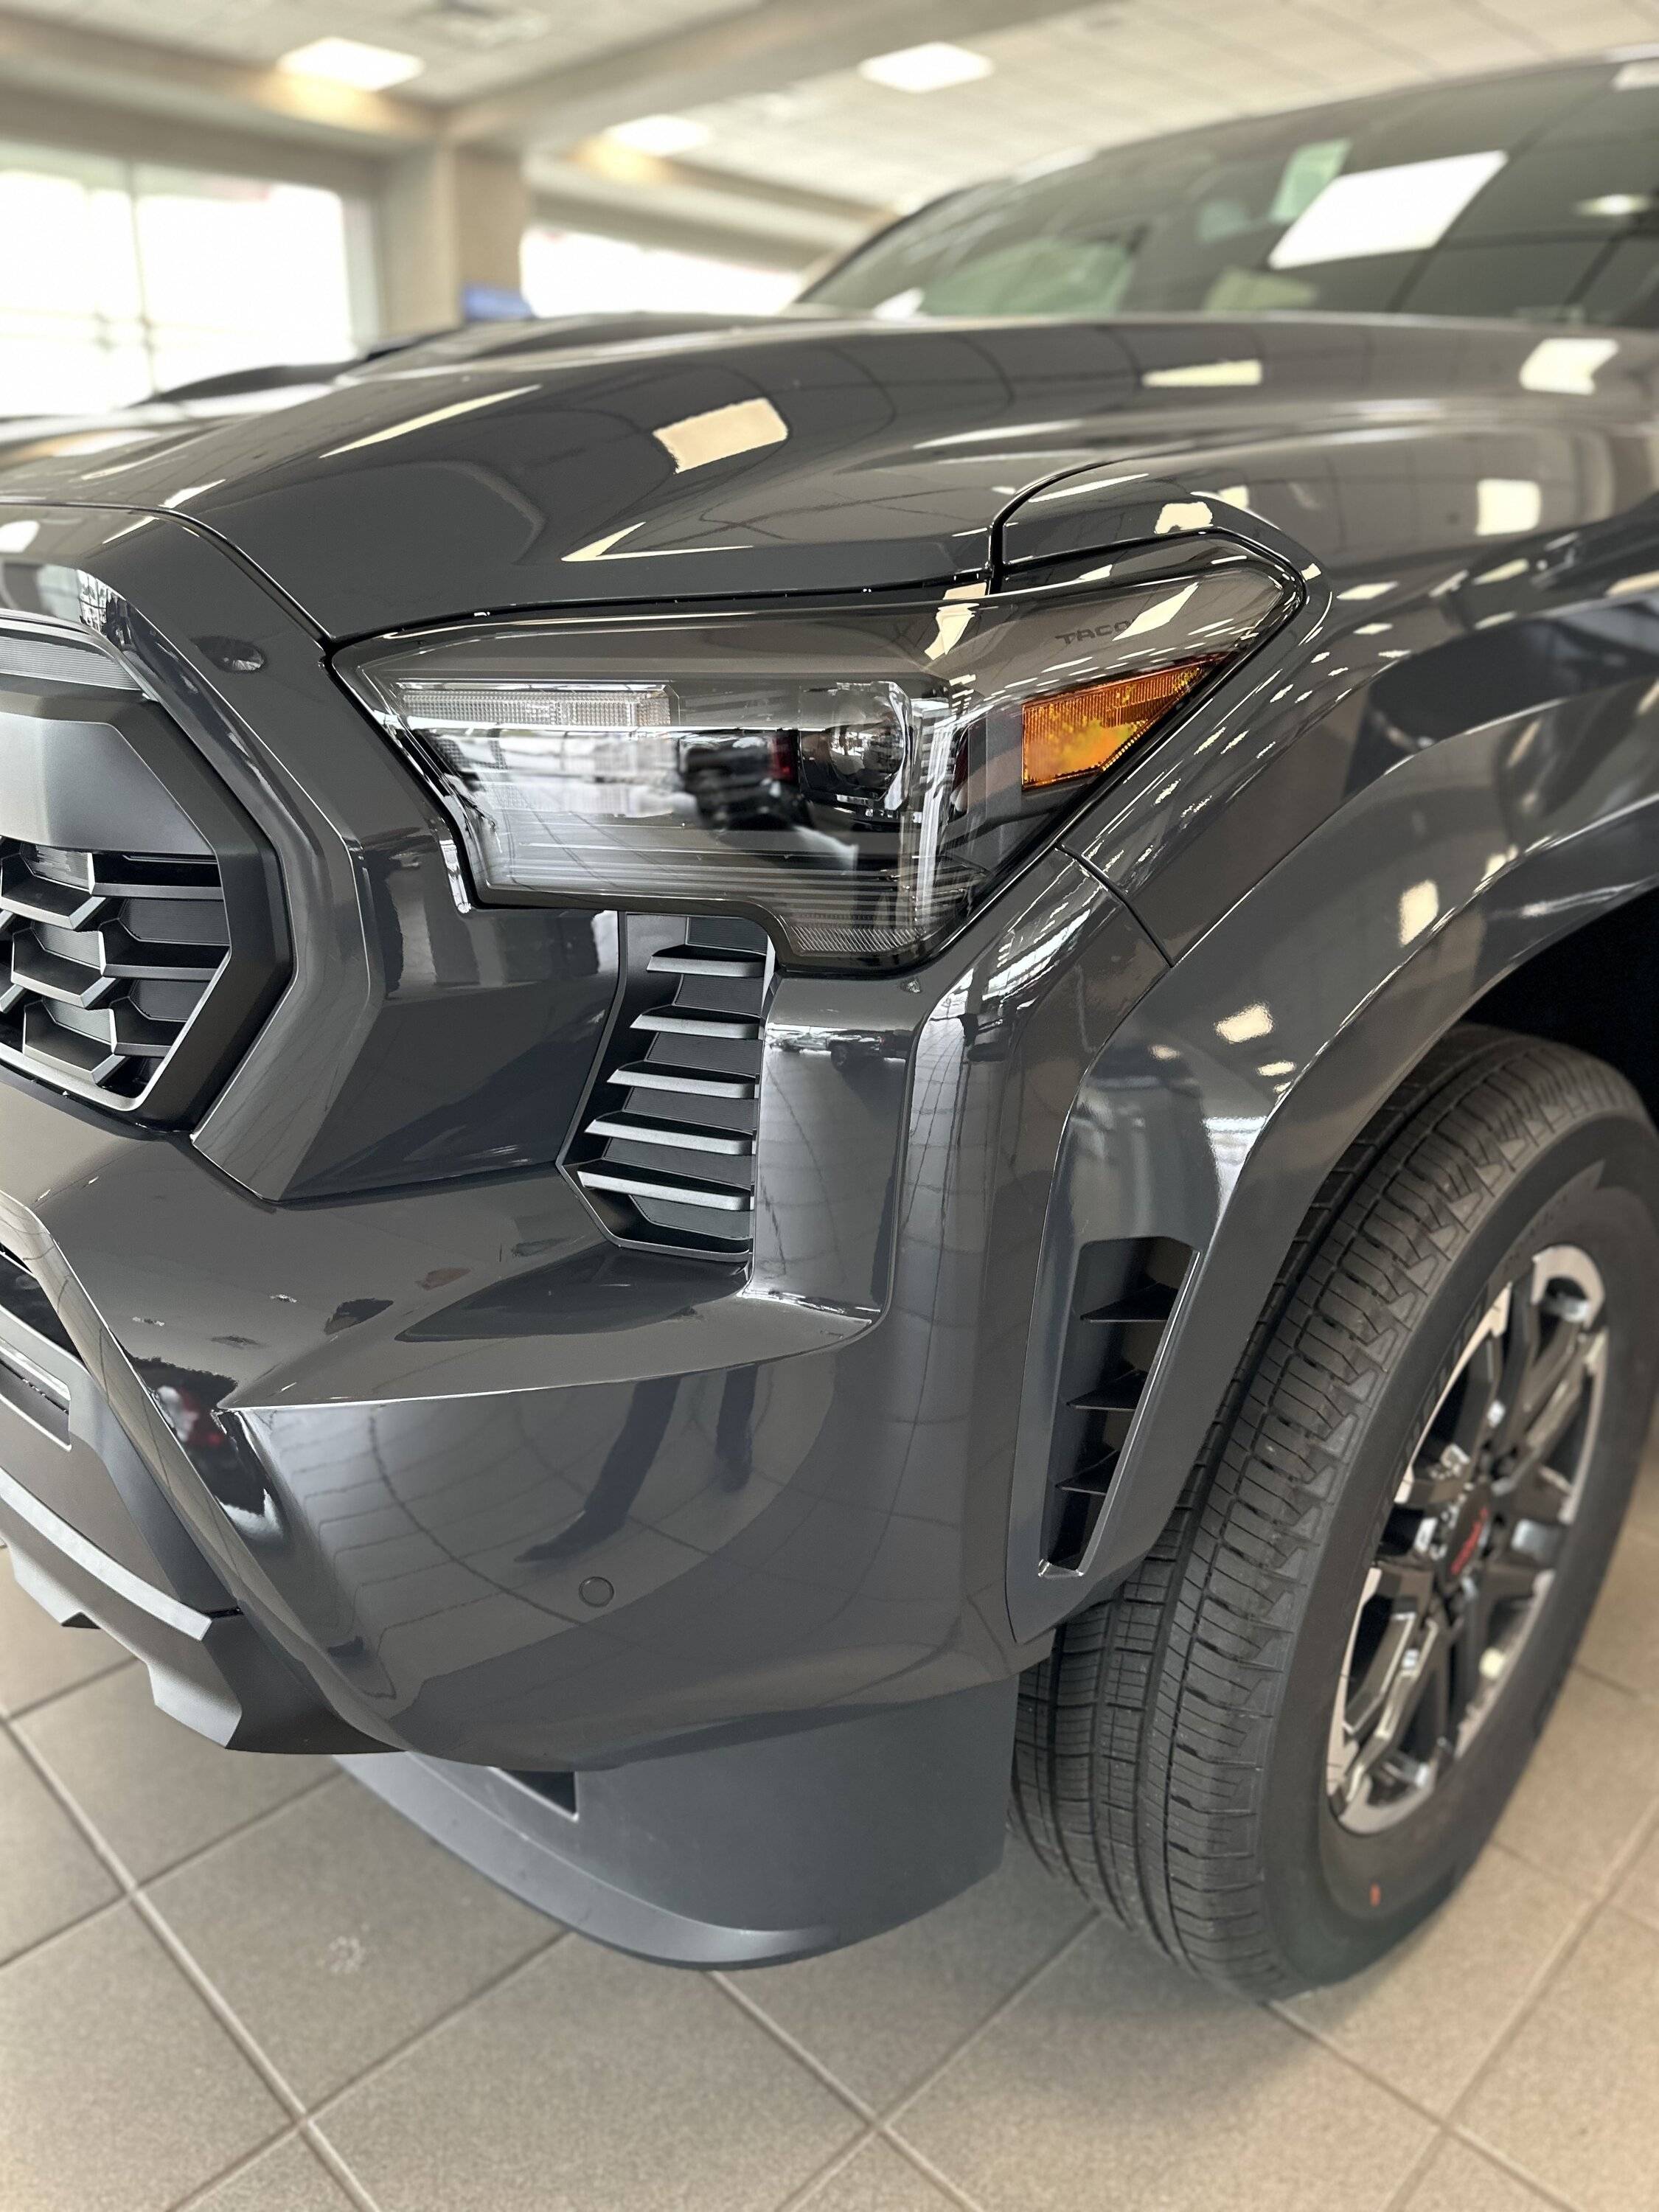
(572, 272)
(121, 278)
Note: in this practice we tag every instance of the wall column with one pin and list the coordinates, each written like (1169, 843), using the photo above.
(449, 216)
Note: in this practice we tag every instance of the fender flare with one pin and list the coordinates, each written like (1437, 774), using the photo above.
(1214, 1113)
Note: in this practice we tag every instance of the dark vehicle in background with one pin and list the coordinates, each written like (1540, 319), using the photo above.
(744, 1073)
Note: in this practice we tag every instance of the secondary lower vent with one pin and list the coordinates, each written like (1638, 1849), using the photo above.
(667, 1151)
(105, 957)
(1124, 1292)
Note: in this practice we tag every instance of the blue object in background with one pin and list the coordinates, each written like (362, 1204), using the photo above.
(493, 303)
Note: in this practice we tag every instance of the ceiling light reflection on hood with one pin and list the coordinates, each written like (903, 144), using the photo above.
(1197, 374)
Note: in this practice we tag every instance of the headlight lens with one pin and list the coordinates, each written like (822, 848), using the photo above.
(862, 776)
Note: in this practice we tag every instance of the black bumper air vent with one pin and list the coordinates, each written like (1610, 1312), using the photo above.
(1124, 1292)
(139, 929)
(665, 1153)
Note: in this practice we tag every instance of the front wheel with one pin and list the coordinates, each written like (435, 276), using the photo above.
(1285, 1739)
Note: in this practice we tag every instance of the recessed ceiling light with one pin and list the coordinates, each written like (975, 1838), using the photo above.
(660, 134)
(347, 61)
(927, 68)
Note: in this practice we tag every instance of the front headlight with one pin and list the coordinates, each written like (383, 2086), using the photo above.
(862, 776)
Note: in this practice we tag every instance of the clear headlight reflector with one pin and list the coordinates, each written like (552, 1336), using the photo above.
(861, 776)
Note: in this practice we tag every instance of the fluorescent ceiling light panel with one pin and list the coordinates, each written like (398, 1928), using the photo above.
(1402, 209)
(663, 135)
(347, 61)
(929, 67)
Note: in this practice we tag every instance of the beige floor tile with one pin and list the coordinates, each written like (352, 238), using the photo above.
(1113, 2065)
(37, 1657)
(1592, 1781)
(120, 2091)
(1459, 2180)
(630, 2088)
(1427, 2017)
(1645, 1503)
(1622, 1640)
(154, 1789)
(335, 1931)
(1638, 1892)
(1571, 2100)
(877, 2180)
(290, 2179)
(883, 2013)
(49, 1875)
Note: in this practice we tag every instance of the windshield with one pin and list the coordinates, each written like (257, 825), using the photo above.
(1534, 196)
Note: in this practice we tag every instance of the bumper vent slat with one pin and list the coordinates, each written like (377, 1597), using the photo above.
(667, 1153)
(100, 974)
(142, 930)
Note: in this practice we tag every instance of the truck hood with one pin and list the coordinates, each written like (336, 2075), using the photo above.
(803, 455)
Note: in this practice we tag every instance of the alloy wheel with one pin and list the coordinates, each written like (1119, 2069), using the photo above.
(1473, 1542)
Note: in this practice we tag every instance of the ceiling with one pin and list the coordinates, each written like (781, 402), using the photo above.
(549, 74)
(1134, 67)
(463, 53)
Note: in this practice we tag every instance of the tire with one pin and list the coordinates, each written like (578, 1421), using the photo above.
(1179, 1754)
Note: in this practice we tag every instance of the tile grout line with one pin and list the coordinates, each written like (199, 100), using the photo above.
(220, 2008)
(887, 2125)
(82, 1682)
(1415, 2172)
(880, 2119)
(815, 2065)
(1585, 1906)
(376, 2067)
(67, 1804)
(1590, 1902)
(801, 2198)
(1647, 1700)
(296, 2132)
(1513, 2168)
(1457, 2122)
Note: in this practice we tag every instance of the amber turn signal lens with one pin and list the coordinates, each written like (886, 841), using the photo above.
(1080, 732)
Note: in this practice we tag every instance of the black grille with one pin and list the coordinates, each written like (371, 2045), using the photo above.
(666, 1149)
(139, 911)
(107, 956)
(1125, 1292)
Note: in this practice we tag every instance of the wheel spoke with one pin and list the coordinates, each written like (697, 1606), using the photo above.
(1549, 1421)
(1419, 1671)
(1522, 1340)
(1470, 1638)
(1482, 1383)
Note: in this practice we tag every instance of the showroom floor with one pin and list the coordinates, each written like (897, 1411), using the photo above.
(243, 1985)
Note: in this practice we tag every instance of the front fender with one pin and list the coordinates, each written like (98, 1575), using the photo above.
(1214, 1113)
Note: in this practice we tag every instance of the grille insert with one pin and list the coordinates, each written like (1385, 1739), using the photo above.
(141, 918)
(667, 1151)
(105, 957)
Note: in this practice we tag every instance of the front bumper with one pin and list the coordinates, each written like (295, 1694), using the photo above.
(368, 1453)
